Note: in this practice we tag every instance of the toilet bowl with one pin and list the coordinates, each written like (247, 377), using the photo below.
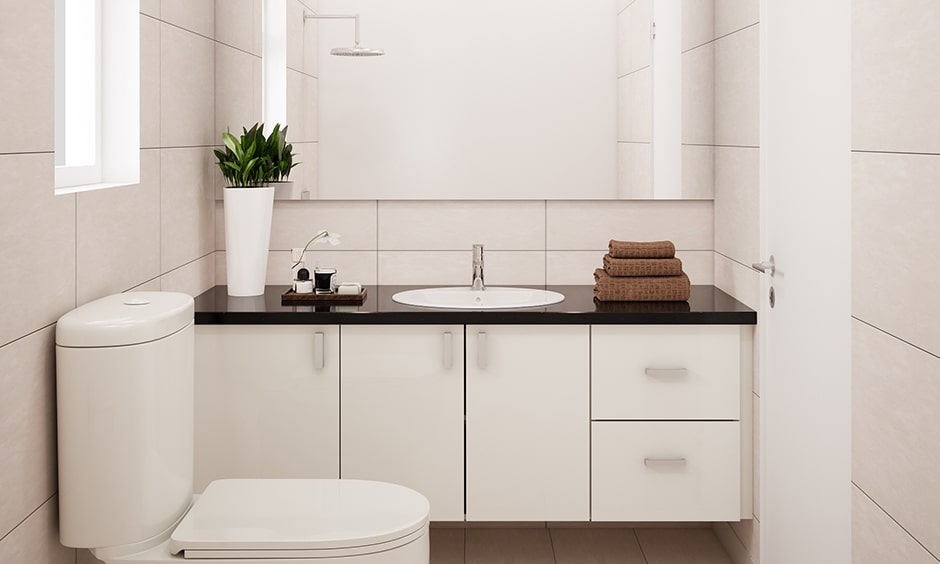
(125, 422)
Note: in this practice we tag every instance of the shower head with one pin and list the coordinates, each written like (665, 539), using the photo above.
(356, 51)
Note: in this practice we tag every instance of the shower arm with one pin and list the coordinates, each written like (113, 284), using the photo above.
(336, 17)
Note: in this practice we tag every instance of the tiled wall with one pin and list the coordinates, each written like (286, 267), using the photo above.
(896, 337)
(634, 99)
(734, 52)
(61, 251)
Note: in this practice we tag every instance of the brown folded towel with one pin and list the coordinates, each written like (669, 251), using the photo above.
(641, 288)
(642, 267)
(641, 249)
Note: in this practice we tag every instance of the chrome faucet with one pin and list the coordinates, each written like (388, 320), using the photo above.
(477, 268)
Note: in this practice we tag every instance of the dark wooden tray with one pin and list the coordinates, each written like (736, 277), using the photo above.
(292, 298)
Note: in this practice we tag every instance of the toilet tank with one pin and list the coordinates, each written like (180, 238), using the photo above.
(124, 386)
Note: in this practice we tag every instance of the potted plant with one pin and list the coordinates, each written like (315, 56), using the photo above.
(248, 167)
(281, 154)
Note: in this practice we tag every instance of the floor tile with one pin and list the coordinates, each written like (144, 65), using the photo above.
(509, 546)
(596, 546)
(447, 546)
(682, 546)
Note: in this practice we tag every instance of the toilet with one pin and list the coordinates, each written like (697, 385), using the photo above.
(125, 436)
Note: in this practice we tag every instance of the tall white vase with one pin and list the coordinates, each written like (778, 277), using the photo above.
(247, 235)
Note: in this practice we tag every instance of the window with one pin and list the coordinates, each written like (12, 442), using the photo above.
(97, 97)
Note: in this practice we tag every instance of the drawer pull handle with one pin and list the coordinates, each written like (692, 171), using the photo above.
(666, 372)
(672, 462)
(448, 359)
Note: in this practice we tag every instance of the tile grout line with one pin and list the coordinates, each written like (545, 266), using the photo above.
(893, 336)
(640, 545)
(31, 513)
(715, 40)
(927, 550)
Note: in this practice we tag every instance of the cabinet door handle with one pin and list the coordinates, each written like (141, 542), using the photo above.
(666, 372)
(318, 351)
(670, 462)
(481, 350)
(448, 358)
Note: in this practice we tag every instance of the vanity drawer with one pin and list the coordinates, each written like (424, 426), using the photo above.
(665, 372)
(665, 471)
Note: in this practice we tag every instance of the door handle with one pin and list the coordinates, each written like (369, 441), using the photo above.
(481, 350)
(448, 356)
(318, 351)
(765, 266)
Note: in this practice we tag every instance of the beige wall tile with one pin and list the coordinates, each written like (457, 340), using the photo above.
(733, 15)
(118, 234)
(306, 174)
(737, 205)
(38, 251)
(27, 427)
(737, 78)
(150, 7)
(634, 171)
(453, 268)
(197, 16)
(633, 30)
(507, 268)
(698, 173)
(294, 223)
(635, 111)
(877, 539)
(895, 264)
(192, 278)
(698, 95)
(622, 4)
(300, 49)
(894, 76)
(895, 446)
(27, 42)
(36, 540)
(585, 225)
(187, 205)
(187, 87)
(458, 225)
(235, 88)
(351, 266)
(311, 111)
(311, 48)
(149, 82)
(698, 23)
(148, 286)
(504, 546)
(738, 281)
(238, 23)
(668, 546)
(603, 546)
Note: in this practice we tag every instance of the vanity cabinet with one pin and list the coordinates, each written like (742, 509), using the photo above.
(266, 402)
(528, 423)
(402, 403)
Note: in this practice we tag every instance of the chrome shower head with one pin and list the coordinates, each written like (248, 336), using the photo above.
(356, 51)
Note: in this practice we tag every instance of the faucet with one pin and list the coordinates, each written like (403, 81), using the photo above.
(477, 283)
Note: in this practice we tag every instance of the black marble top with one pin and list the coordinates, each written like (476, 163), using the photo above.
(707, 306)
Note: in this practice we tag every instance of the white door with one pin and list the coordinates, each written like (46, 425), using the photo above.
(402, 410)
(528, 423)
(805, 427)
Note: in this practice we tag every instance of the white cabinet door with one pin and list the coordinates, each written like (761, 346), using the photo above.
(402, 410)
(528, 423)
(267, 402)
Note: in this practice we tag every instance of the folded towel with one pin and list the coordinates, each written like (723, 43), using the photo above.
(642, 267)
(641, 288)
(641, 249)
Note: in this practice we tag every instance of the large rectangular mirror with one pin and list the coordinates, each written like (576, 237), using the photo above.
(519, 99)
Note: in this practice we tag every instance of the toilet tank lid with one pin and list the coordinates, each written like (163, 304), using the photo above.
(125, 319)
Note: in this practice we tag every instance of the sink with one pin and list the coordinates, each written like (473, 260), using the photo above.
(466, 298)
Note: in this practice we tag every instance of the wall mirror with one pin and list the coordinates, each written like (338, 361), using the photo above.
(528, 99)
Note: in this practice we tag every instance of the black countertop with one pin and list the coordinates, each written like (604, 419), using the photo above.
(707, 306)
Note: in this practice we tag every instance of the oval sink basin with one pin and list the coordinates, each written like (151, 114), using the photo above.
(465, 298)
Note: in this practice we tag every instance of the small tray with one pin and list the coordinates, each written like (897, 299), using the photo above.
(291, 297)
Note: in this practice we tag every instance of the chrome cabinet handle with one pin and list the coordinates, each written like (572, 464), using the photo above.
(666, 372)
(448, 357)
(318, 351)
(481, 351)
(674, 462)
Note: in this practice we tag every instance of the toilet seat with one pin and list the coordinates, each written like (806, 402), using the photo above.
(269, 519)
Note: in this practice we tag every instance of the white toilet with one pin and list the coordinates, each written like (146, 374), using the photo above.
(125, 424)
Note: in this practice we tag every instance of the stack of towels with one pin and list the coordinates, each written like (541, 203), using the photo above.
(641, 272)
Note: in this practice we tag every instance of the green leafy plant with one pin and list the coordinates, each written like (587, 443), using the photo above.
(280, 153)
(245, 162)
